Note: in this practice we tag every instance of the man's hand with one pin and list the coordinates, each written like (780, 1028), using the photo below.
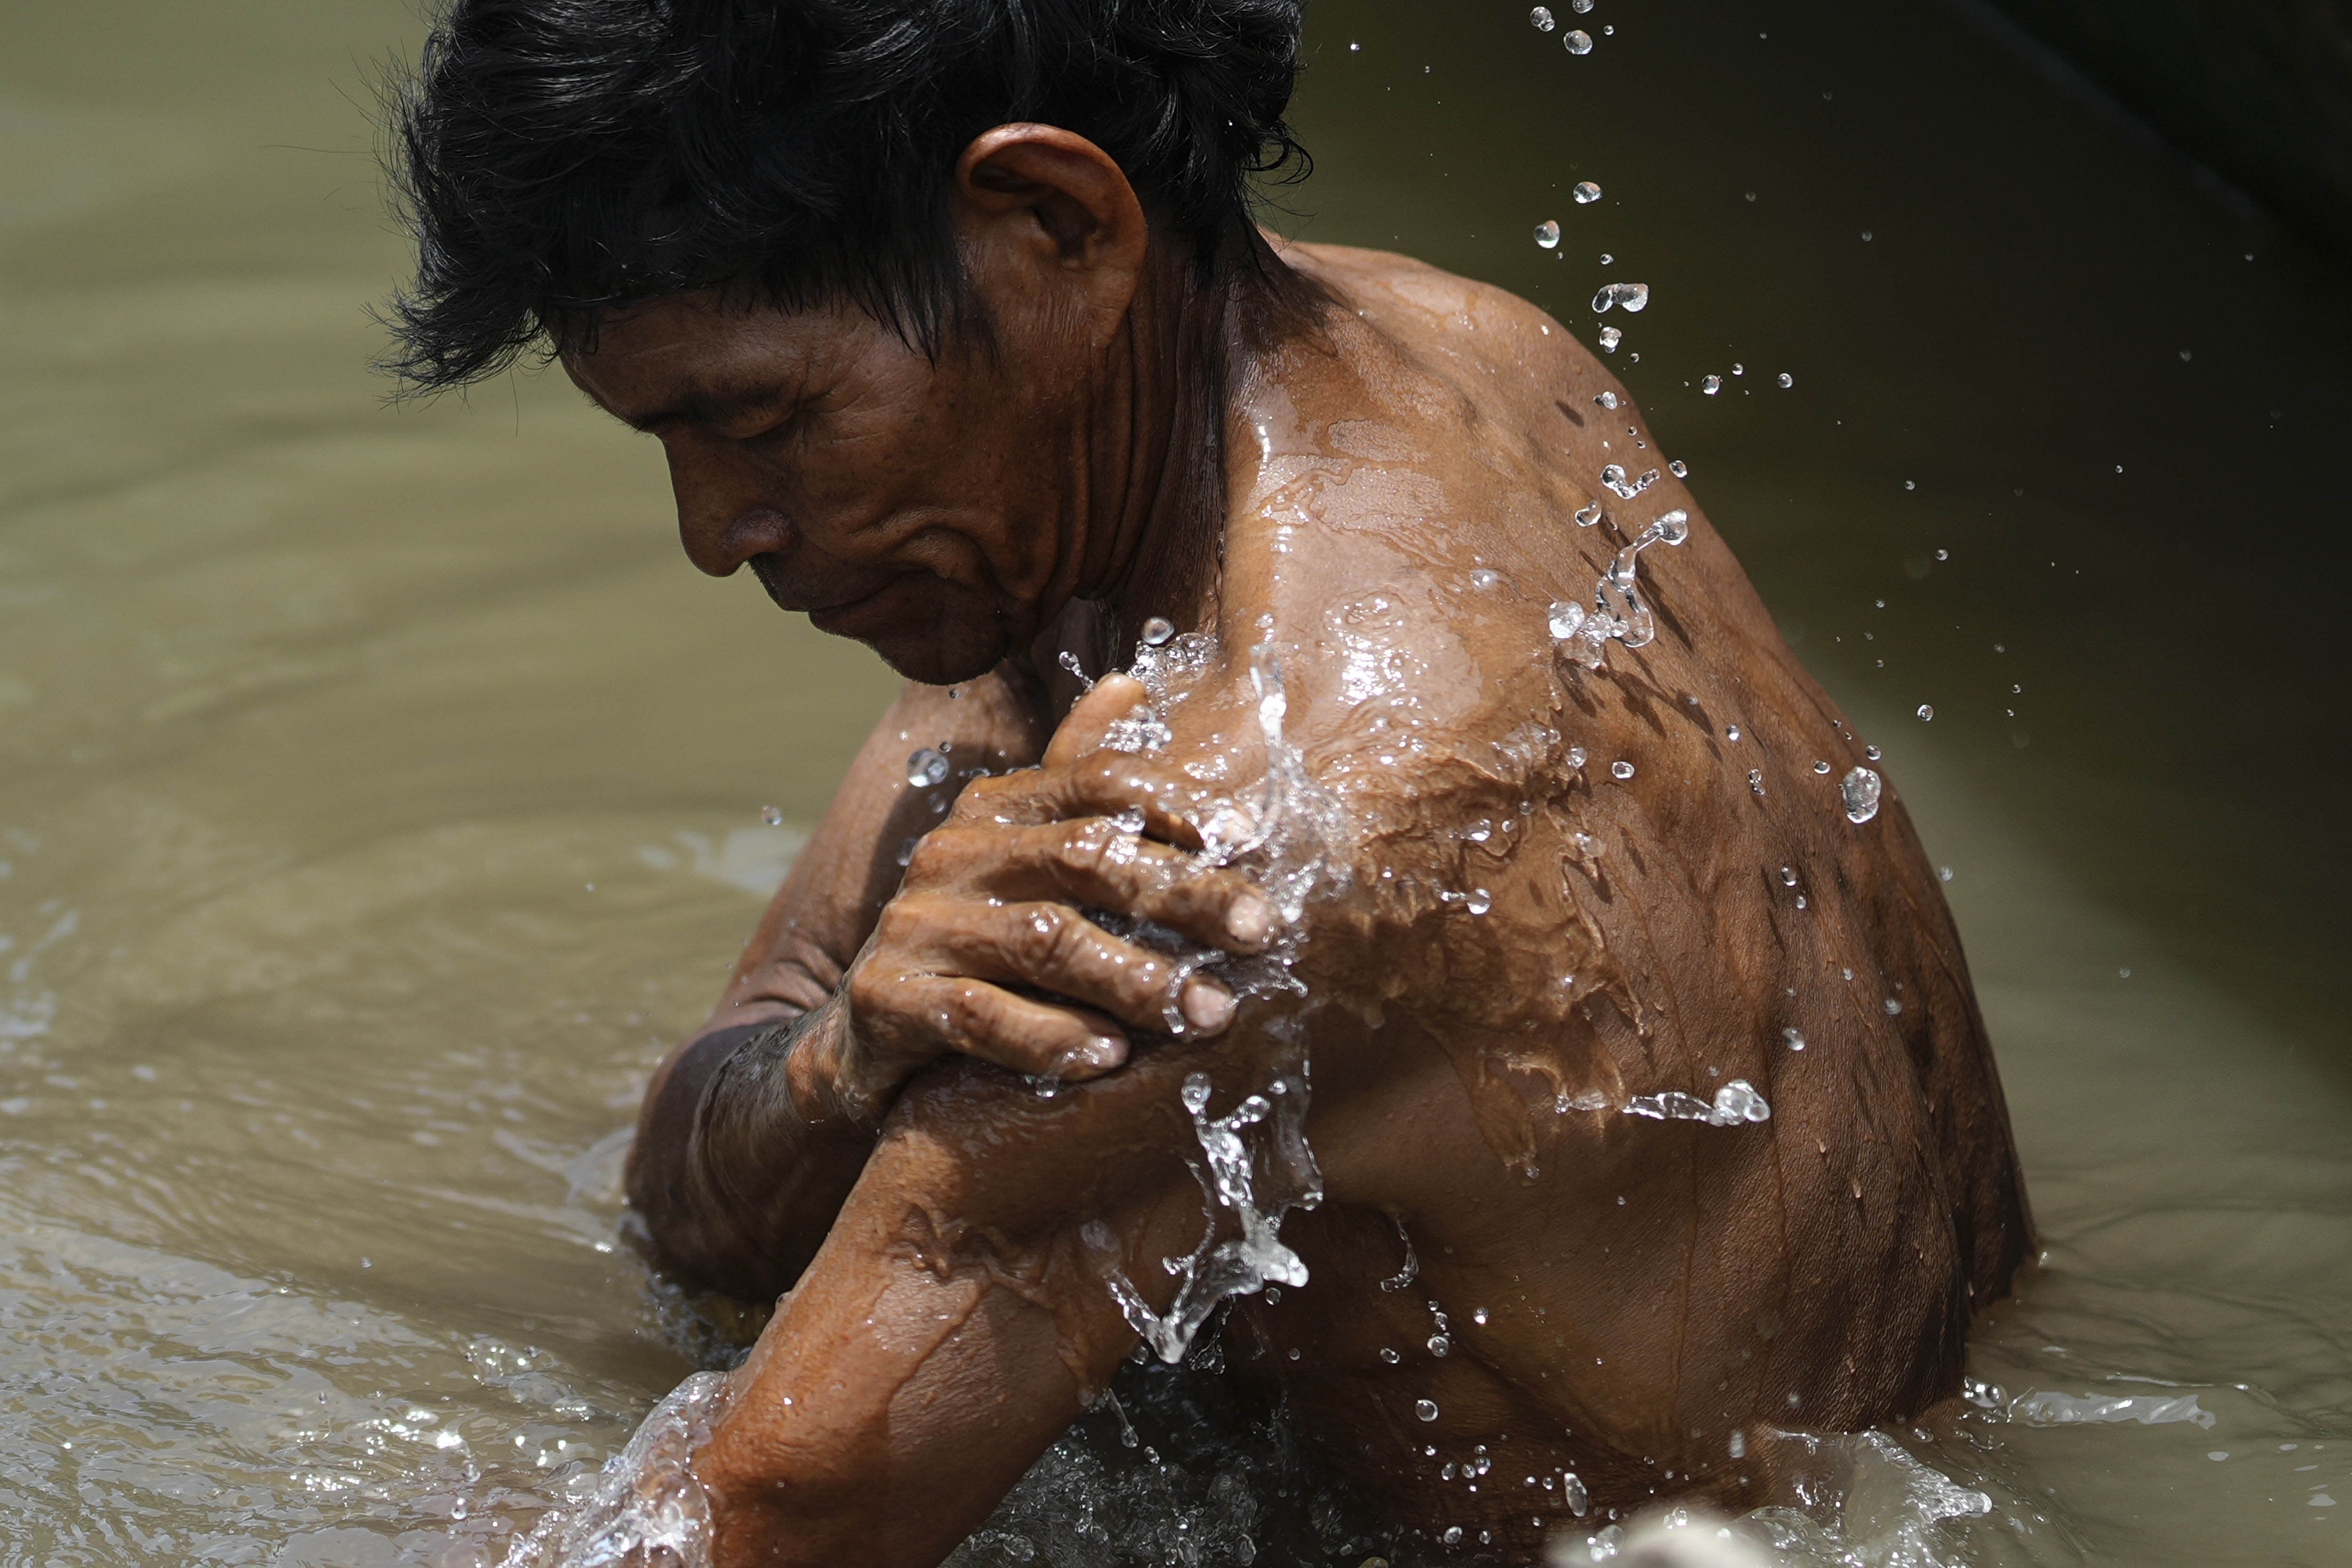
(988, 950)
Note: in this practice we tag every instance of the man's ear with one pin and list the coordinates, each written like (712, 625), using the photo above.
(1049, 211)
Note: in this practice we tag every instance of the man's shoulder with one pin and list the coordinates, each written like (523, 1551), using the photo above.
(1426, 308)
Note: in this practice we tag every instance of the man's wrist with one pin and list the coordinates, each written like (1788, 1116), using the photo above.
(813, 1067)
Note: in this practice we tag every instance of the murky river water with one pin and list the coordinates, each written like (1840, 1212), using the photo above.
(379, 790)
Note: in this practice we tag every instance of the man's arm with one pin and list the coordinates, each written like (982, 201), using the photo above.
(955, 1321)
(749, 1141)
(740, 1159)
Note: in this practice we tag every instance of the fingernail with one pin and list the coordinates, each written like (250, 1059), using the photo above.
(1098, 1055)
(1208, 1007)
(1249, 920)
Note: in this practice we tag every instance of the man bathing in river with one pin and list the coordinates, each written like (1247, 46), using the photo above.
(1468, 803)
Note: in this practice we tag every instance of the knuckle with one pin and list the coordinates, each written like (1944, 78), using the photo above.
(964, 1014)
(1084, 846)
(934, 858)
(901, 920)
(1041, 936)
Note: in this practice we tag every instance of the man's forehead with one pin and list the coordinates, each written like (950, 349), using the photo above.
(684, 358)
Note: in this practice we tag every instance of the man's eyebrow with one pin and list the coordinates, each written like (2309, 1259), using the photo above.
(708, 406)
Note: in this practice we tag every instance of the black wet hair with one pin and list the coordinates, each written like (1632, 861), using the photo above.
(558, 158)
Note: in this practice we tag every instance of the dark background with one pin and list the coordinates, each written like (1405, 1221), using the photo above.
(2116, 382)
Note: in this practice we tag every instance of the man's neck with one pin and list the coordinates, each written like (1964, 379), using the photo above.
(1153, 554)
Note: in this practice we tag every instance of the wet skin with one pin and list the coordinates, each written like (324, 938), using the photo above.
(1508, 948)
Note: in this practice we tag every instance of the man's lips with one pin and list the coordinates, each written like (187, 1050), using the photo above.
(820, 605)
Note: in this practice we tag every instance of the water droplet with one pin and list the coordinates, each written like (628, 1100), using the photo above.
(1158, 631)
(1860, 789)
(1796, 1040)
(1130, 820)
(1586, 193)
(1587, 516)
(1870, 751)
(1737, 368)
(1582, 7)
(1389, 1356)
(1910, 484)
(1731, 733)
(1710, 384)
(1671, 527)
(1943, 555)
(1439, 1344)
(1787, 380)
(1819, 766)
(1607, 399)
(1576, 758)
(1478, 1316)
(1927, 712)
(1607, 259)
(1944, 873)
(1565, 618)
(1621, 770)
(1426, 1409)
(1679, 468)
(1893, 1008)
(1480, 903)
(927, 769)
(1548, 234)
(771, 817)
(1609, 338)
(1195, 1092)
(1453, 1536)
(1613, 477)
(1579, 42)
(1486, 577)
(1633, 297)
(1788, 876)
(907, 852)
(1756, 780)
(1541, 19)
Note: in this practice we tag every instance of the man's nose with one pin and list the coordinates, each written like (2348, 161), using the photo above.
(725, 516)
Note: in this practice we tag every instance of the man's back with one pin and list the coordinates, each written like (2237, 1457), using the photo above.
(1651, 1097)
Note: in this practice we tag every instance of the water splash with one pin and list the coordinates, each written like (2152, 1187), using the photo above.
(1238, 1265)
(1613, 477)
(1283, 834)
(2047, 1409)
(647, 1509)
(1618, 614)
(1734, 1104)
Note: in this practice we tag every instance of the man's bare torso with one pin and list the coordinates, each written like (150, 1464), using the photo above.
(1561, 910)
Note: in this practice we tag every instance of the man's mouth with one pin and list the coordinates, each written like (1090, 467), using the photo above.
(828, 609)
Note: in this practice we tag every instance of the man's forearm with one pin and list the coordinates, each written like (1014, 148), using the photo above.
(738, 1177)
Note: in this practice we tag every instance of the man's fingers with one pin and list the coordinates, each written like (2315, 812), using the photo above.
(1052, 947)
(1097, 864)
(1151, 799)
(1113, 698)
(923, 1014)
